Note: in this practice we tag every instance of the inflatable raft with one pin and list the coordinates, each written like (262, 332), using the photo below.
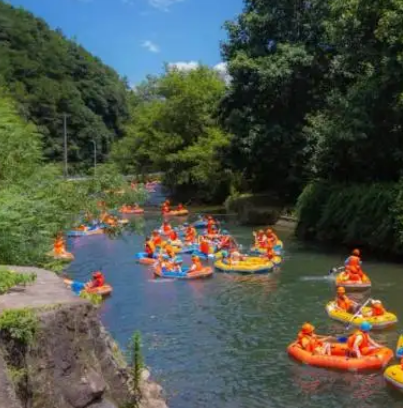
(68, 256)
(211, 256)
(342, 280)
(249, 265)
(378, 359)
(142, 258)
(177, 213)
(102, 290)
(377, 322)
(79, 232)
(204, 273)
(394, 376)
(132, 211)
(200, 224)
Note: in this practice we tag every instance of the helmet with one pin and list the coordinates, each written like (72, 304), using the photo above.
(307, 328)
(365, 326)
(356, 252)
(96, 274)
(195, 257)
(269, 230)
(261, 232)
(341, 290)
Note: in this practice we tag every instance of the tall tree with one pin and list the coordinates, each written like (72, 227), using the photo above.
(359, 129)
(173, 129)
(278, 61)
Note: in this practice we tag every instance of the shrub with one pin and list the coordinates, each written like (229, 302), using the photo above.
(363, 215)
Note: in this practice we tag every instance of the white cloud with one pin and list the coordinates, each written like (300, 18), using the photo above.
(150, 46)
(163, 5)
(184, 66)
(221, 68)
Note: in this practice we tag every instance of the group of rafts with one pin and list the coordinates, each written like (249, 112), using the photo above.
(205, 241)
(358, 351)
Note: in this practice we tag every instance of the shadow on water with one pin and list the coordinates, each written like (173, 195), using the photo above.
(221, 342)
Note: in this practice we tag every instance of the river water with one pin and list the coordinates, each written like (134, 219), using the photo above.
(221, 342)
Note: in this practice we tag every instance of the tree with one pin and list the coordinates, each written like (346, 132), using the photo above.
(35, 201)
(49, 75)
(278, 62)
(358, 131)
(173, 129)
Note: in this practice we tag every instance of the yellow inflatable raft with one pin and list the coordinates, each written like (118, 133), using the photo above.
(249, 265)
(394, 376)
(377, 322)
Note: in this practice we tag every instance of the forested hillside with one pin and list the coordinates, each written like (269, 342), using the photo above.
(49, 75)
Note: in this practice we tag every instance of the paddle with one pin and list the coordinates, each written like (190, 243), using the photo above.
(336, 270)
(358, 312)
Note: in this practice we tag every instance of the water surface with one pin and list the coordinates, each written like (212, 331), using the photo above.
(221, 343)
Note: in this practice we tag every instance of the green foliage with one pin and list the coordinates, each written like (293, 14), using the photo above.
(173, 129)
(20, 325)
(368, 216)
(10, 279)
(35, 200)
(94, 298)
(50, 75)
(278, 67)
(136, 361)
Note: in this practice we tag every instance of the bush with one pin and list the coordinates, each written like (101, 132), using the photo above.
(20, 325)
(362, 215)
(9, 279)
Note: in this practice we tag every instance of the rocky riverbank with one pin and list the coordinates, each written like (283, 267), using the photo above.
(72, 362)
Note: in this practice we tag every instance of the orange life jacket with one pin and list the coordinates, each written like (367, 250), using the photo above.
(98, 282)
(149, 248)
(173, 236)
(204, 247)
(343, 302)
(378, 310)
(364, 340)
(157, 240)
(308, 342)
(196, 266)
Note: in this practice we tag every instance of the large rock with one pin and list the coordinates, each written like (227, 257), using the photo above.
(73, 363)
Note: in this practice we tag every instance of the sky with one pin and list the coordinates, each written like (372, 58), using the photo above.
(136, 37)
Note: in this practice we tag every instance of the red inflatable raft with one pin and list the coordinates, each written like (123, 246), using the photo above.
(378, 359)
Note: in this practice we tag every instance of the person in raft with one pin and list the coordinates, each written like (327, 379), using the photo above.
(149, 248)
(343, 302)
(180, 207)
(196, 266)
(354, 262)
(377, 309)
(156, 238)
(270, 254)
(98, 280)
(308, 340)
(166, 227)
(353, 273)
(360, 343)
(166, 207)
(272, 238)
(204, 247)
(190, 234)
(260, 239)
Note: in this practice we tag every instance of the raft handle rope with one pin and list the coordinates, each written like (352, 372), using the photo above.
(357, 313)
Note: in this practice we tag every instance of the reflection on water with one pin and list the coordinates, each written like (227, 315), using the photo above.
(221, 342)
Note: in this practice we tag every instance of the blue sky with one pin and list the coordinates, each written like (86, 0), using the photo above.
(137, 36)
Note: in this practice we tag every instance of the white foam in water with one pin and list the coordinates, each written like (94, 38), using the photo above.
(317, 278)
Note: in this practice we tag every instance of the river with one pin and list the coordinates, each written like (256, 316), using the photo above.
(221, 343)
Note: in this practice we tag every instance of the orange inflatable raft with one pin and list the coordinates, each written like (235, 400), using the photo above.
(130, 210)
(204, 273)
(378, 359)
(343, 280)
